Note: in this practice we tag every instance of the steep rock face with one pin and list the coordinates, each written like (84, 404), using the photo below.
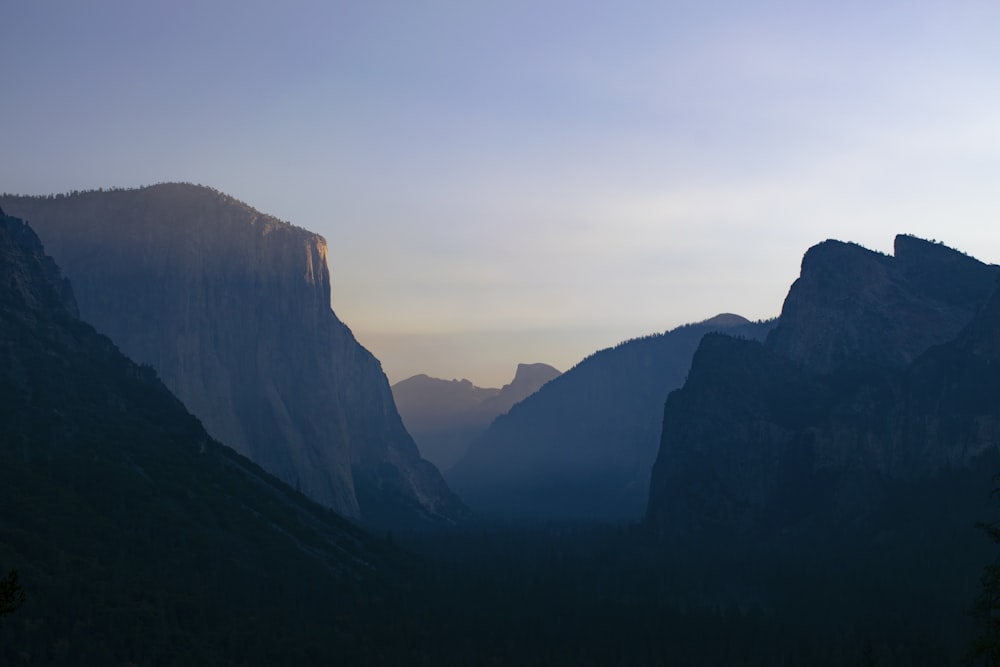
(528, 378)
(121, 512)
(583, 446)
(981, 337)
(231, 307)
(833, 421)
(852, 305)
(734, 448)
(444, 416)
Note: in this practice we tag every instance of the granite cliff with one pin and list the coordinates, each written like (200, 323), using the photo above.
(878, 383)
(232, 308)
(582, 447)
(444, 416)
(124, 517)
(851, 305)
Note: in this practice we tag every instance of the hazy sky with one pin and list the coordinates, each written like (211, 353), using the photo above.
(527, 181)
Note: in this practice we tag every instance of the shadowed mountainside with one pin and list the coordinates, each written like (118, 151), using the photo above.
(444, 416)
(137, 534)
(851, 305)
(880, 373)
(583, 446)
(232, 308)
(140, 540)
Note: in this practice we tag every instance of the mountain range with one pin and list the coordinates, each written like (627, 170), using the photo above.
(582, 447)
(879, 380)
(816, 481)
(797, 491)
(444, 416)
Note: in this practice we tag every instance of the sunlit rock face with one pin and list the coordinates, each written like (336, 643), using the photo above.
(232, 308)
(878, 383)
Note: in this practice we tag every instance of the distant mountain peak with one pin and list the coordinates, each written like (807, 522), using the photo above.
(726, 320)
(582, 446)
(444, 416)
(533, 374)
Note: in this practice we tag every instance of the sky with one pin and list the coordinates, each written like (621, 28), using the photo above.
(504, 182)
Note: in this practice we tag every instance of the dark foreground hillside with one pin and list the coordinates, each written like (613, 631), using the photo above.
(139, 539)
(585, 594)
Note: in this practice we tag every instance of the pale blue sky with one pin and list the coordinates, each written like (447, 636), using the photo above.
(527, 181)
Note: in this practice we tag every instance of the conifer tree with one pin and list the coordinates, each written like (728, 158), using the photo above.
(11, 594)
(986, 609)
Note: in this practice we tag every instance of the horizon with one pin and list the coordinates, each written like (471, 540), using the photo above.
(520, 183)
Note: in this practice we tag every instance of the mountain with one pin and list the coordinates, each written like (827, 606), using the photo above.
(582, 447)
(878, 385)
(444, 416)
(138, 538)
(851, 305)
(232, 309)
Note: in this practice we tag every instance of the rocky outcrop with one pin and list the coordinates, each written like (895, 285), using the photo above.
(878, 377)
(444, 416)
(852, 305)
(232, 308)
(583, 446)
(528, 378)
(30, 280)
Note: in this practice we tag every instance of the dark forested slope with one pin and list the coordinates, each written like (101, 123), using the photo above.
(138, 538)
(582, 447)
(853, 452)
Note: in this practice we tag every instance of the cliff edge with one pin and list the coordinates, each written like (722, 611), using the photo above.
(232, 308)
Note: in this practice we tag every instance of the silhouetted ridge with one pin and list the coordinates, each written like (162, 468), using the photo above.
(583, 446)
(877, 380)
(726, 320)
(942, 274)
(444, 416)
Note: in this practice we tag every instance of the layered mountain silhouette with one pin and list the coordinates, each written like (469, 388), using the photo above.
(582, 447)
(878, 390)
(444, 416)
(232, 309)
(137, 536)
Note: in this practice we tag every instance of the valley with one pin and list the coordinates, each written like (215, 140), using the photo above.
(202, 465)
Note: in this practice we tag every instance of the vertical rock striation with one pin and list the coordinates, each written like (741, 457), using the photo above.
(232, 308)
